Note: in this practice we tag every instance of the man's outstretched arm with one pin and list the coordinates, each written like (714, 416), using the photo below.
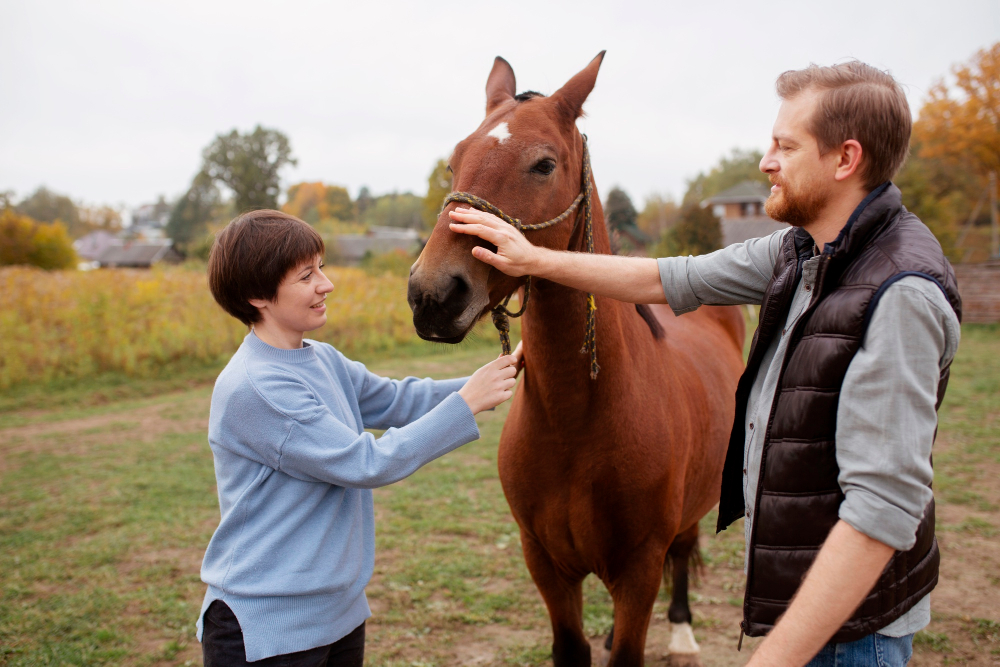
(631, 279)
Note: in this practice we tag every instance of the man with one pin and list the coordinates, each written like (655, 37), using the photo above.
(829, 459)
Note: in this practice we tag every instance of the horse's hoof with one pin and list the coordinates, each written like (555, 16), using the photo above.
(683, 660)
(683, 650)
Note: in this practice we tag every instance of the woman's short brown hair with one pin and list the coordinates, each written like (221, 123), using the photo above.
(252, 255)
(860, 102)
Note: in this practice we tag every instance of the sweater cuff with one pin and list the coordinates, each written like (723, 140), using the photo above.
(461, 423)
(879, 520)
(676, 288)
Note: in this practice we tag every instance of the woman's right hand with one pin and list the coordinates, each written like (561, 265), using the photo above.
(492, 384)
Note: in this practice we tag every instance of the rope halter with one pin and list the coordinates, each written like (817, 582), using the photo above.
(501, 313)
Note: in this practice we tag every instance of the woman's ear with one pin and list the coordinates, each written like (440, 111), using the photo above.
(259, 304)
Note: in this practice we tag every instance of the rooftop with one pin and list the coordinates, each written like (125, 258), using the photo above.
(747, 191)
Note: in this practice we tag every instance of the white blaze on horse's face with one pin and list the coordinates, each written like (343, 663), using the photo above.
(501, 132)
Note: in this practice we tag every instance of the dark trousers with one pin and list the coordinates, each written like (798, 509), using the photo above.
(222, 645)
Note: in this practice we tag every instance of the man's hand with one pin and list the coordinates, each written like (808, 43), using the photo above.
(630, 279)
(845, 570)
(515, 254)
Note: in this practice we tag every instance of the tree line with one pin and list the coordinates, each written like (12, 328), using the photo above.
(955, 147)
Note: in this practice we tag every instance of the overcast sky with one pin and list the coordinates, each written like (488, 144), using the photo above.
(112, 102)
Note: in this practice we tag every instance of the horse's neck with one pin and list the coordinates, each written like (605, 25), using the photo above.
(554, 328)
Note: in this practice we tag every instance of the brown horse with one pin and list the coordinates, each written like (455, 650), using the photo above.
(608, 475)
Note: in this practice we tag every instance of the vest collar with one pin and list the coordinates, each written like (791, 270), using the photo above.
(876, 210)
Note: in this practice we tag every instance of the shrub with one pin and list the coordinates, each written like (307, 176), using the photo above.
(26, 241)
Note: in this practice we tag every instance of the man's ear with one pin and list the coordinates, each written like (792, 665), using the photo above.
(849, 160)
(573, 94)
(500, 85)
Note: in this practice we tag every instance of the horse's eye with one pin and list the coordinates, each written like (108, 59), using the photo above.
(544, 167)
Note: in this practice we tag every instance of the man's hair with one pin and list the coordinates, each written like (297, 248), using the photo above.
(857, 101)
(252, 255)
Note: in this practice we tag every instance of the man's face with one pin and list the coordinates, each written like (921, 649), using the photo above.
(801, 178)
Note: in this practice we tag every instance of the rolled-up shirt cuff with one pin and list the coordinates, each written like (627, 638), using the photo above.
(676, 286)
(879, 519)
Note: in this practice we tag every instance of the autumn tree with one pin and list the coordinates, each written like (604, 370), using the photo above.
(315, 202)
(438, 187)
(395, 210)
(44, 205)
(27, 241)
(619, 211)
(363, 201)
(249, 165)
(658, 214)
(101, 217)
(697, 232)
(191, 214)
(955, 146)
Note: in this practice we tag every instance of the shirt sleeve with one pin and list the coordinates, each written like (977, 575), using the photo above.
(734, 275)
(387, 403)
(312, 444)
(886, 417)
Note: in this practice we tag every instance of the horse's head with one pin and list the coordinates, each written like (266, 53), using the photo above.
(525, 158)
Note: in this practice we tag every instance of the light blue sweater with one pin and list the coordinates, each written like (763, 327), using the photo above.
(296, 543)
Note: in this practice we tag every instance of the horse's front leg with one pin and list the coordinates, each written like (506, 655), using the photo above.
(563, 595)
(633, 591)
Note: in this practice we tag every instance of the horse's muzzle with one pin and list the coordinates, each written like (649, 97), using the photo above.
(441, 309)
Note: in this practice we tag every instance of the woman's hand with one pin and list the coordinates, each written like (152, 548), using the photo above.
(492, 384)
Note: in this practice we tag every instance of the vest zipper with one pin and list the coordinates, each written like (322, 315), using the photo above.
(813, 301)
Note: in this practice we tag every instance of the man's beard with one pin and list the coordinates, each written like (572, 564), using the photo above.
(795, 208)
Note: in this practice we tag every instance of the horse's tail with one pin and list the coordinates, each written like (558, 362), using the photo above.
(684, 552)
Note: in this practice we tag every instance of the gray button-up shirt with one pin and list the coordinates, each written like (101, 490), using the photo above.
(885, 418)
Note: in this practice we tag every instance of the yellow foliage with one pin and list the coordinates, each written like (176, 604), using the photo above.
(965, 127)
(26, 241)
(68, 324)
(314, 202)
(438, 187)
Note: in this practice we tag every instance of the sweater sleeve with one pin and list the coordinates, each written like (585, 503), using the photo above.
(387, 403)
(318, 447)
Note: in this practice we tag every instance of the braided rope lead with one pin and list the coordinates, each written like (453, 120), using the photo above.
(501, 313)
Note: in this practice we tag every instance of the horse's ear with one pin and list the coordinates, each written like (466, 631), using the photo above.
(570, 97)
(500, 86)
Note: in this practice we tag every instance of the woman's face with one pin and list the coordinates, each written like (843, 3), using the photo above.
(299, 305)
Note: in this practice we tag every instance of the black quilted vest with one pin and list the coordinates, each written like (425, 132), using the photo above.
(798, 496)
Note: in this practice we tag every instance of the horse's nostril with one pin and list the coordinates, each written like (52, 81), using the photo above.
(457, 288)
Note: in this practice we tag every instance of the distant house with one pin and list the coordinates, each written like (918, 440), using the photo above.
(138, 254)
(149, 221)
(91, 246)
(352, 248)
(740, 210)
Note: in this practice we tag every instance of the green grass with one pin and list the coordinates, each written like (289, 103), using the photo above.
(103, 525)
